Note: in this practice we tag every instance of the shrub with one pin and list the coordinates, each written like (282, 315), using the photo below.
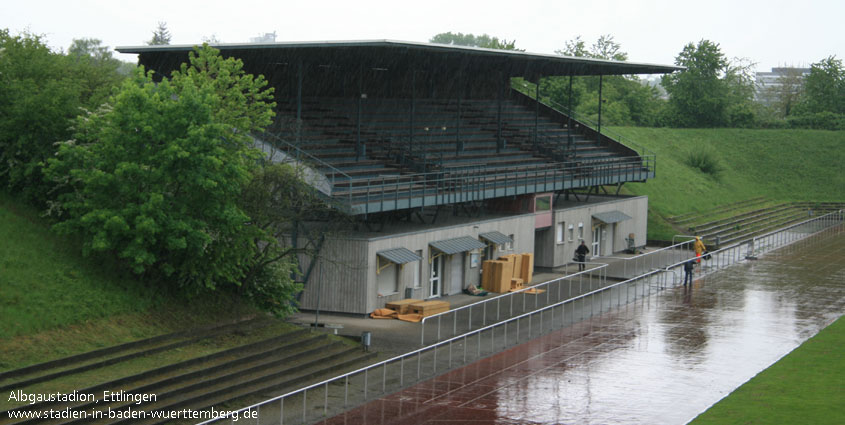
(704, 160)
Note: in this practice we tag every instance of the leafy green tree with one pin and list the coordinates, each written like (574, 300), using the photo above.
(39, 94)
(153, 176)
(161, 35)
(484, 41)
(825, 87)
(712, 91)
(98, 70)
(625, 100)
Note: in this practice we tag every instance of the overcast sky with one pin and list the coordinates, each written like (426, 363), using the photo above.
(770, 33)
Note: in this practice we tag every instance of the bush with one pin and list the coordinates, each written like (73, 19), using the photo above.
(705, 161)
(818, 121)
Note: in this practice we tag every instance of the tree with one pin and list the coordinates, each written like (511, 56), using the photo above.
(711, 92)
(625, 101)
(41, 92)
(483, 41)
(161, 35)
(98, 69)
(824, 87)
(154, 176)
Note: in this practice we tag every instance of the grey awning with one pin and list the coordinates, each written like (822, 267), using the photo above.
(399, 255)
(497, 238)
(456, 245)
(611, 217)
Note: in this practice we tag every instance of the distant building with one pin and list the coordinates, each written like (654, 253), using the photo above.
(769, 85)
(268, 37)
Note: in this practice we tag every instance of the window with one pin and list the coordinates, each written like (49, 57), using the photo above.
(509, 245)
(580, 231)
(388, 280)
(543, 203)
(559, 232)
(571, 232)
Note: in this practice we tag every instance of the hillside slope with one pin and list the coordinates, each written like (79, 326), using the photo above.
(54, 302)
(782, 165)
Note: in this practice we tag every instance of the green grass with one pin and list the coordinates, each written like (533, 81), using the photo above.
(782, 165)
(55, 303)
(805, 387)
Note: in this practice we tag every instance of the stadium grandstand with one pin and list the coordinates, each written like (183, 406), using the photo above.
(441, 159)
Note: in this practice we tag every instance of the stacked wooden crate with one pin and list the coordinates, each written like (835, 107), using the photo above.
(511, 271)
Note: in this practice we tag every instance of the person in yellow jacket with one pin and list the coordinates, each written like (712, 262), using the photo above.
(699, 249)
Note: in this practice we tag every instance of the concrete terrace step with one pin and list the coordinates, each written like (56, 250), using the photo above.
(44, 372)
(153, 380)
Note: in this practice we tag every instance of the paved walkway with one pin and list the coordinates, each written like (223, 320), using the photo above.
(661, 359)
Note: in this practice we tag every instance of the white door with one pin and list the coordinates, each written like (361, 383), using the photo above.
(436, 276)
(596, 250)
(456, 275)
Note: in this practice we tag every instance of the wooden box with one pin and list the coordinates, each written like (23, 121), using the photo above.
(402, 306)
(527, 268)
(428, 308)
(516, 284)
(517, 265)
(502, 275)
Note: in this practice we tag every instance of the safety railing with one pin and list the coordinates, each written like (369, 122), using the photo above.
(656, 259)
(739, 252)
(317, 401)
(466, 318)
(301, 155)
(470, 183)
(525, 89)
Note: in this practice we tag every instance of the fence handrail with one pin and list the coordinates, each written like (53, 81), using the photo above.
(600, 266)
(467, 335)
(645, 254)
(585, 121)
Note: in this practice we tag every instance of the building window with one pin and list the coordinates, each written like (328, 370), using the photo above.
(559, 232)
(571, 232)
(581, 231)
(543, 203)
(388, 280)
(509, 245)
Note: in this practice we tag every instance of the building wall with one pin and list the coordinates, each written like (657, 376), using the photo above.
(338, 280)
(348, 267)
(553, 254)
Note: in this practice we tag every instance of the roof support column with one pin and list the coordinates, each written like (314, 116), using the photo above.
(411, 118)
(536, 112)
(598, 130)
(460, 143)
(499, 114)
(358, 112)
(569, 120)
(298, 100)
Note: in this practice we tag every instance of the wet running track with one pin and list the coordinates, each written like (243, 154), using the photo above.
(662, 359)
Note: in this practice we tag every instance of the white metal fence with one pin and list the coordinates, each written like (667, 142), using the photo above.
(321, 400)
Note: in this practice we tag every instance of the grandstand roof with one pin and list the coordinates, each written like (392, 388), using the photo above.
(390, 53)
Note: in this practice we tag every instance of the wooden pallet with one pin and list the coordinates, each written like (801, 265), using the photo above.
(429, 308)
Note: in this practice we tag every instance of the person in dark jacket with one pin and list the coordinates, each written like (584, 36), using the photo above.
(689, 266)
(581, 254)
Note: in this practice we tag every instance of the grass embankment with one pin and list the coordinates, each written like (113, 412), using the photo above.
(782, 165)
(55, 303)
(804, 387)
